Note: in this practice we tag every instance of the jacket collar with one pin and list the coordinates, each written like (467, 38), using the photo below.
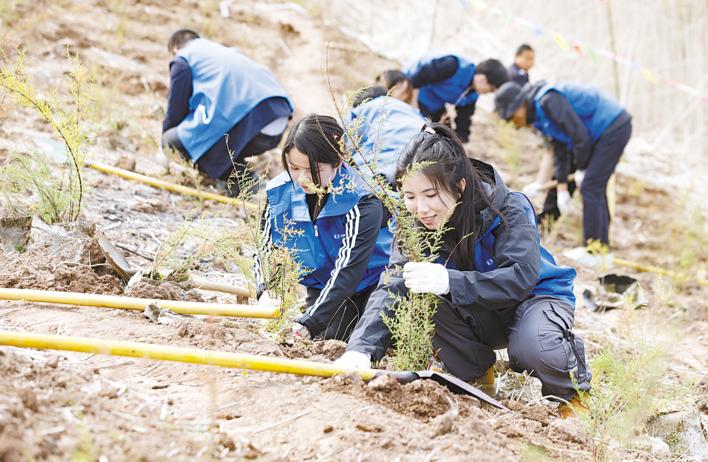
(346, 195)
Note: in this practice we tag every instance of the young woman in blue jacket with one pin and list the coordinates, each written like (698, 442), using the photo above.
(497, 286)
(336, 227)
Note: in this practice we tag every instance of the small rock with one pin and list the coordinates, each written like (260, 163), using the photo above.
(328, 429)
(659, 448)
(384, 382)
(369, 428)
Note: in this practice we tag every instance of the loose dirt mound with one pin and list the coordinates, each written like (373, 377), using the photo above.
(19, 271)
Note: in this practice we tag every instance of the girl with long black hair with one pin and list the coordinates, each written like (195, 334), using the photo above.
(335, 226)
(498, 287)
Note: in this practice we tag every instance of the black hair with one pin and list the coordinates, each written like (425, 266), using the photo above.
(317, 136)
(391, 77)
(495, 72)
(180, 39)
(523, 47)
(368, 93)
(448, 165)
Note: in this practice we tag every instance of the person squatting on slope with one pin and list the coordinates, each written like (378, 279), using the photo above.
(340, 236)
(221, 102)
(523, 62)
(497, 286)
(378, 128)
(588, 131)
(442, 79)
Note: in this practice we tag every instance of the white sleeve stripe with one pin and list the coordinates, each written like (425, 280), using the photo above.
(264, 250)
(345, 252)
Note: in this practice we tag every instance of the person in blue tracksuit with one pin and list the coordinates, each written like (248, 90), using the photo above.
(221, 103)
(378, 128)
(523, 62)
(589, 132)
(497, 286)
(337, 227)
(442, 79)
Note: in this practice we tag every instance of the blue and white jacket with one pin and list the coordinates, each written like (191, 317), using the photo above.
(342, 252)
(226, 85)
(383, 126)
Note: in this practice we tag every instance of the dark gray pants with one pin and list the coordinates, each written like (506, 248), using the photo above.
(540, 340)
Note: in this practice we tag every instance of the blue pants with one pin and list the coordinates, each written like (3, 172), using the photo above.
(539, 340)
(604, 158)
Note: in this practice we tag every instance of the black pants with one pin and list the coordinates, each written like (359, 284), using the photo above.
(463, 120)
(539, 340)
(213, 162)
(605, 155)
(340, 322)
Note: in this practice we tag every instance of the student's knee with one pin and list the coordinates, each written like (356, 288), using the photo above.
(542, 342)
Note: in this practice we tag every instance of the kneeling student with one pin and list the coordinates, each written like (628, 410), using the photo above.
(337, 229)
(497, 286)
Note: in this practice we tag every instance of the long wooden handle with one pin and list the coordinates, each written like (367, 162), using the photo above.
(134, 303)
(178, 354)
(166, 185)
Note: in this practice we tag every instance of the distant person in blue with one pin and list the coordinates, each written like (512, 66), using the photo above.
(445, 79)
(523, 62)
(589, 132)
(381, 127)
(337, 228)
(496, 286)
(221, 103)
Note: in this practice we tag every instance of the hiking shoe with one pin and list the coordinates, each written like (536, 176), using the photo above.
(575, 407)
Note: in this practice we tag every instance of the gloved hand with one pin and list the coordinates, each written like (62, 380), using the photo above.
(354, 360)
(563, 202)
(267, 300)
(578, 177)
(531, 189)
(426, 278)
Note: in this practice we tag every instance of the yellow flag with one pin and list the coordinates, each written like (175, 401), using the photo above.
(562, 42)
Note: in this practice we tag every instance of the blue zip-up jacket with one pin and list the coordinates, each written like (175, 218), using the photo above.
(226, 85)
(510, 266)
(383, 126)
(440, 82)
(595, 111)
(343, 252)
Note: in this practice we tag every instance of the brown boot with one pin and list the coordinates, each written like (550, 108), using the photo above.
(486, 382)
(575, 407)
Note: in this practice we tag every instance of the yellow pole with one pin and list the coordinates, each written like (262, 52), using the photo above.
(654, 269)
(178, 354)
(162, 184)
(134, 303)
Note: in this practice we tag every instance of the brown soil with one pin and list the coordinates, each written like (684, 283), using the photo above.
(60, 406)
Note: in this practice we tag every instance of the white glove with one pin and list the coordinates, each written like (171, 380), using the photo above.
(267, 300)
(301, 332)
(578, 176)
(354, 360)
(563, 202)
(531, 189)
(426, 278)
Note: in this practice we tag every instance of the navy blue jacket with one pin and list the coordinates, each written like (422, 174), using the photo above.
(571, 114)
(510, 266)
(517, 75)
(343, 251)
(443, 79)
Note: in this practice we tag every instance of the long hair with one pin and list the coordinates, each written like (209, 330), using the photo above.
(445, 165)
(316, 136)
